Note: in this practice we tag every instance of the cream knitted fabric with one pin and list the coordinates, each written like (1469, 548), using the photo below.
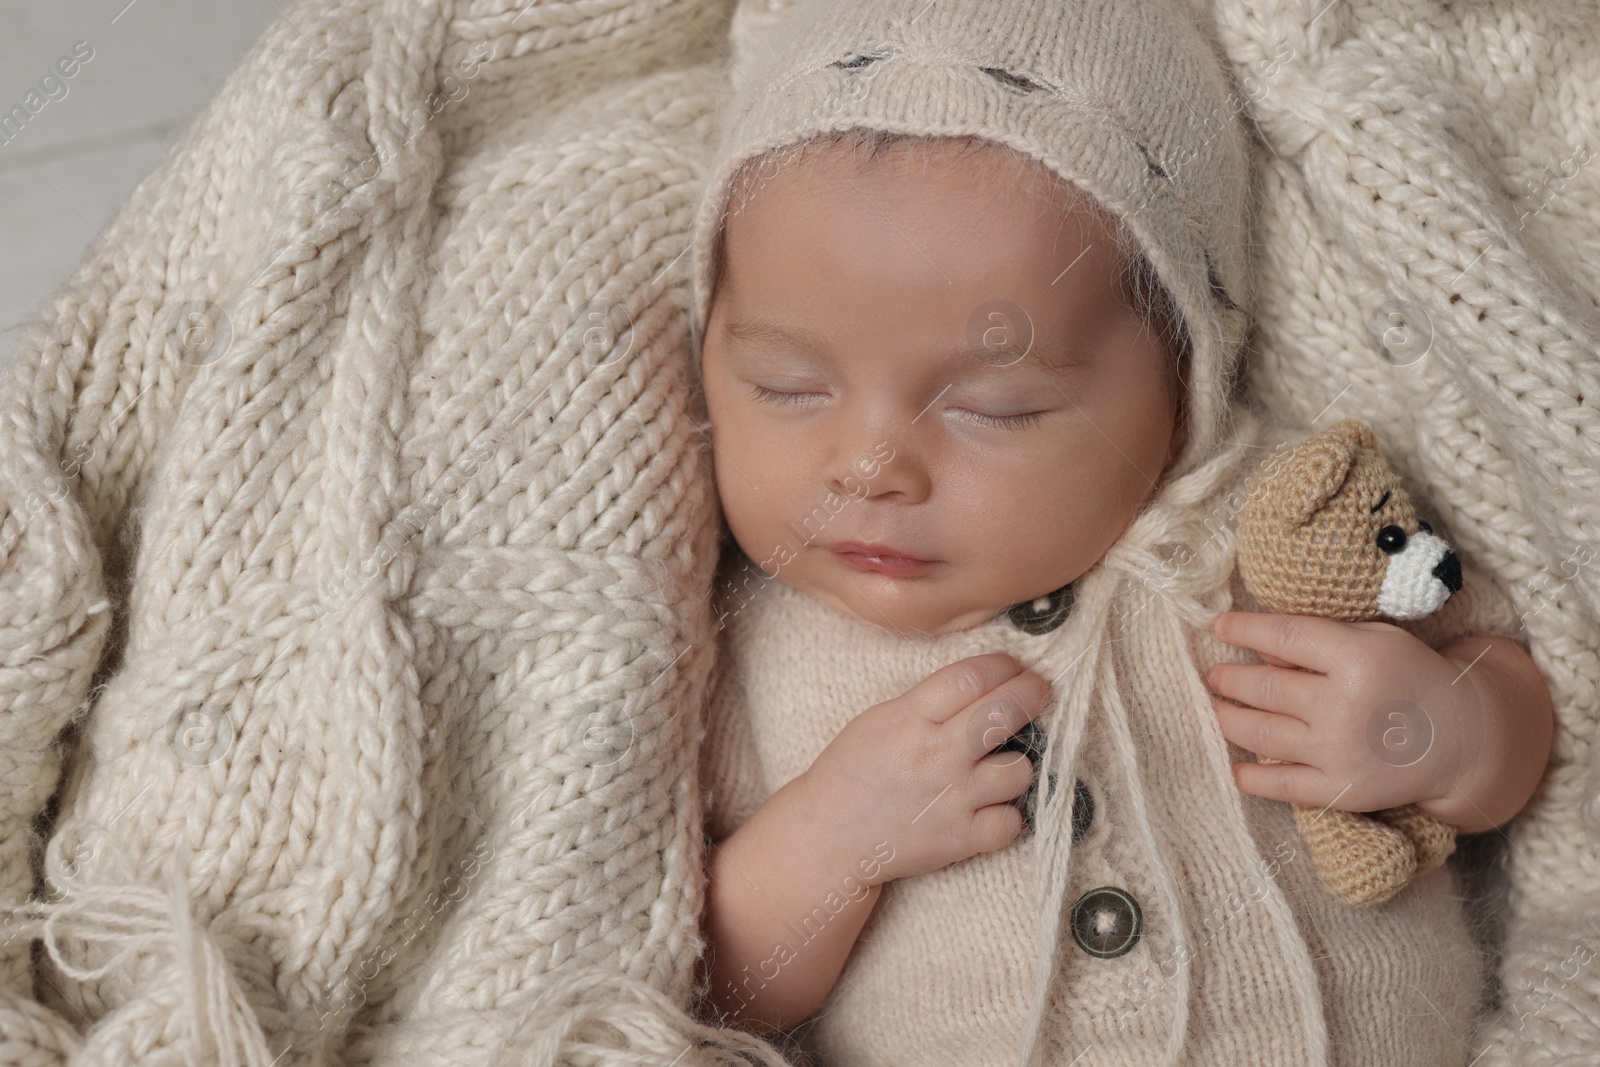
(351, 469)
(188, 514)
(1430, 264)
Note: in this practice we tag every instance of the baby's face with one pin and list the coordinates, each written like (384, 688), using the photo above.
(855, 394)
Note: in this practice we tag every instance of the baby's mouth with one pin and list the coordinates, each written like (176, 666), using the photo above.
(883, 559)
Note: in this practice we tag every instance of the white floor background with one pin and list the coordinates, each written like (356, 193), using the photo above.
(63, 174)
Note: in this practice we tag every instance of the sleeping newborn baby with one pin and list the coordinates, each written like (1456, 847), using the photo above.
(969, 301)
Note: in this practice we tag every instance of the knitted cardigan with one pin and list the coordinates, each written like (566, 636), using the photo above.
(1245, 955)
(357, 535)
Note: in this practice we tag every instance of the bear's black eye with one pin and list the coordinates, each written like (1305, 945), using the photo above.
(1391, 539)
(1424, 526)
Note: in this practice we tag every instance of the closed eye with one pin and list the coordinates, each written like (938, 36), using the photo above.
(777, 396)
(1004, 422)
(999, 422)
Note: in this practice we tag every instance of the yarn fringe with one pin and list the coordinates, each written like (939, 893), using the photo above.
(580, 1016)
(132, 919)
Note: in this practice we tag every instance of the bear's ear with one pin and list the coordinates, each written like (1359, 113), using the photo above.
(1356, 432)
(1315, 471)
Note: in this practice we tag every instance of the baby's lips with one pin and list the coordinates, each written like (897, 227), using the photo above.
(878, 548)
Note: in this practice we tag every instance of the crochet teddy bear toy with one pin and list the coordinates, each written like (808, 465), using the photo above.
(1326, 529)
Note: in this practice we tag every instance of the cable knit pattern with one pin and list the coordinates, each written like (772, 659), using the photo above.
(356, 533)
(389, 584)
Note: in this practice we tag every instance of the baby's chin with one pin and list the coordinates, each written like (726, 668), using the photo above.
(901, 605)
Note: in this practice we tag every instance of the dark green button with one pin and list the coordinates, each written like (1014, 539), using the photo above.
(1106, 922)
(1044, 614)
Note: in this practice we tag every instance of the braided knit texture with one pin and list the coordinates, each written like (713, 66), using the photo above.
(356, 525)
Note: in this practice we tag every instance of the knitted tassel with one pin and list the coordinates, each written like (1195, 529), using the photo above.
(580, 1017)
(1064, 732)
(136, 920)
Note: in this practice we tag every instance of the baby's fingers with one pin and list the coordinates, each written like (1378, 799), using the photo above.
(990, 722)
(957, 686)
(1296, 783)
(1292, 783)
(1286, 691)
(999, 778)
(1266, 733)
(994, 827)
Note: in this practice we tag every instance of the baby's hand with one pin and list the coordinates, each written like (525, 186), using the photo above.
(1375, 719)
(918, 771)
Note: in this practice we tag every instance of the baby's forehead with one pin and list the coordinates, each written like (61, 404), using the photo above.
(977, 237)
(997, 330)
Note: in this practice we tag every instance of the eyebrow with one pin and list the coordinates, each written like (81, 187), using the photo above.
(773, 335)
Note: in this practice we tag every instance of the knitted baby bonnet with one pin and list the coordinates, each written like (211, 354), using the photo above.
(1127, 100)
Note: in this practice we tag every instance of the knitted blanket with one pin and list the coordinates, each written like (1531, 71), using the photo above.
(358, 529)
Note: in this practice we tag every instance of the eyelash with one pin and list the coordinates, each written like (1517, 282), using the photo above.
(999, 422)
(761, 392)
(1007, 422)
